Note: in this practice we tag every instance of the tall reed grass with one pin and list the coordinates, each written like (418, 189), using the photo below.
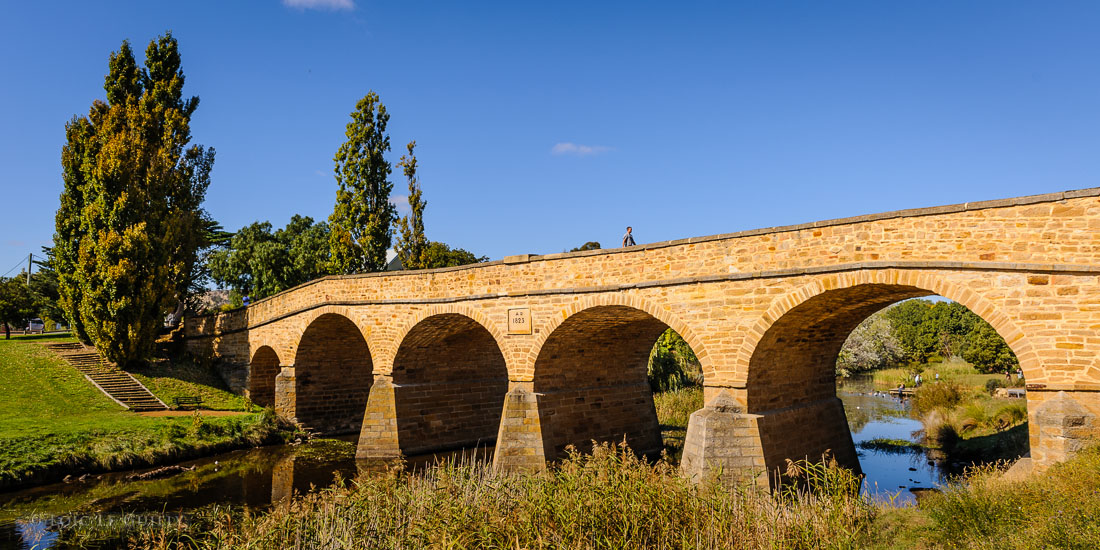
(1056, 509)
(609, 499)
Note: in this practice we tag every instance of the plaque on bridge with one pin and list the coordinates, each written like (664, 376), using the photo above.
(519, 321)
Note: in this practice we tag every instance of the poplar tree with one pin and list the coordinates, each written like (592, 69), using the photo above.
(362, 220)
(411, 244)
(131, 222)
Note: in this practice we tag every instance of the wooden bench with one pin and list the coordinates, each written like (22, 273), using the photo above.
(192, 401)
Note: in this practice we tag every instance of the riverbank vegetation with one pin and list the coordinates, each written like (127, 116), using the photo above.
(55, 423)
(1059, 508)
(610, 499)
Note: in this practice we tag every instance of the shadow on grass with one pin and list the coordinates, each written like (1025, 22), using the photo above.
(1009, 444)
(672, 441)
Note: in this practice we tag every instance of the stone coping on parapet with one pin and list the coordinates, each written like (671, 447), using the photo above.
(527, 258)
(1002, 267)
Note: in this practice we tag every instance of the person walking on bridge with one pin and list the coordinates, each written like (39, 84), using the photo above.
(628, 239)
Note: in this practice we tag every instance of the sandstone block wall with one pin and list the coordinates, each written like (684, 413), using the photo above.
(764, 310)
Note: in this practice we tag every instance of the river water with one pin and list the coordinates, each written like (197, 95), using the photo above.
(257, 478)
(890, 472)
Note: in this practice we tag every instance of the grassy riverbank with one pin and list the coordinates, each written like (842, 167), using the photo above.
(1056, 509)
(960, 414)
(953, 370)
(609, 499)
(54, 423)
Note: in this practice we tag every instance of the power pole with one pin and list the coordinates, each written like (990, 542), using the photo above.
(29, 264)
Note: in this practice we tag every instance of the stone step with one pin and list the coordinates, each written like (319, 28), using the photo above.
(112, 381)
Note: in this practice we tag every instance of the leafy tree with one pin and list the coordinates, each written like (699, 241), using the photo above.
(917, 339)
(361, 223)
(214, 238)
(672, 364)
(872, 345)
(412, 243)
(16, 304)
(987, 351)
(44, 288)
(77, 159)
(130, 222)
(438, 254)
(951, 322)
(924, 329)
(590, 245)
(258, 262)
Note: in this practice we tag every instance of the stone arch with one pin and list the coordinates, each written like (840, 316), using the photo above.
(450, 378)
(915, 284)
(590, 380)
(333, 374)
(262, 370)
(476, 315)
(302, 321)
(789, 375)
(635, 302)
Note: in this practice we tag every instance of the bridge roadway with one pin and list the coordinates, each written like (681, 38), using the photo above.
(536, 353)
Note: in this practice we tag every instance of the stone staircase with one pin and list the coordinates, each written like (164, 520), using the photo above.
(111, 380)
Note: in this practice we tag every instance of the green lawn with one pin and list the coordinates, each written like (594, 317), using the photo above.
(53, 422)
(42, 395)
(183, 377)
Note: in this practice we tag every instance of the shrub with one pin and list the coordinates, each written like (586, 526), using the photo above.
(974, 416)
(1008, 416)
(938, 395)
(940, 429)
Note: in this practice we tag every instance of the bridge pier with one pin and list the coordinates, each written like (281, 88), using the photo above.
(537, 427)
(378, 438)
(1060, 423)
(725, 441)
(519, 439)
(286, 394)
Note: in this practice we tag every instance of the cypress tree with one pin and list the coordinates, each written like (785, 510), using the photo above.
(132, 204)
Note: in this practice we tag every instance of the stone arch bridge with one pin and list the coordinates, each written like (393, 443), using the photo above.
(534, 353)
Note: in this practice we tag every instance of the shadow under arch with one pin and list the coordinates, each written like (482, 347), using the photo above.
(450, 378)
(630, 302)
(591, 384)
(262, 371)
(333, 374)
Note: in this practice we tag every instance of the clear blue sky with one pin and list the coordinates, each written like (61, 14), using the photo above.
(544, 125)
